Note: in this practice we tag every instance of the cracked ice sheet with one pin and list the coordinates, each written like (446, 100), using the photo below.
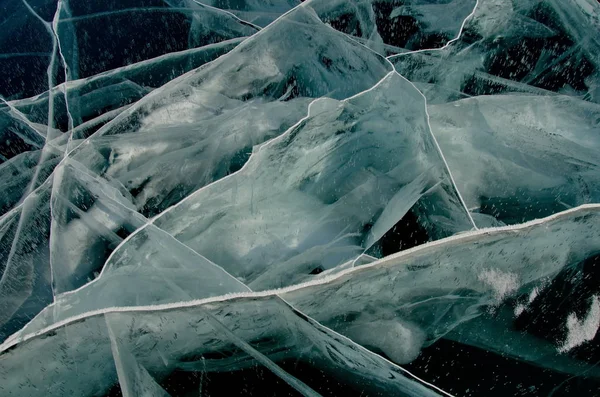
(442, 17)
(27, 156)
(17, 174)
(17, 135)
(520, 157)
(85, 256)
(131, 35)
(259, 12)
(143, 349)
(421, 294)
(202, 126)
(152, 268)
(414, 298)
(25, 286)
(505, 282)
(313, 178)
(561, 312)
(324, 191)
(391, 27)
(76, 255)
(63, 232)
(94, 96)
(530, 46)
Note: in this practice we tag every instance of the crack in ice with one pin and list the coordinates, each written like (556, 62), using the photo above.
(258, 28)
(427, 111)
(24, 119)
(55, 22)
(386, 261)
(462, 201)
(460, 31)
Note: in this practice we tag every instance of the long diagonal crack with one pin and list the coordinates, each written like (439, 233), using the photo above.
(468, 236)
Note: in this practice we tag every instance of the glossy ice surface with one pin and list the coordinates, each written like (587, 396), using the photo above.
(285, 197)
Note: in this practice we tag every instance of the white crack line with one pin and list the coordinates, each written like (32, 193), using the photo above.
(384, 262)
(243, 22)
(462, 26)
(387, 261)
(460, 31)
(7, 344)
(462, 201)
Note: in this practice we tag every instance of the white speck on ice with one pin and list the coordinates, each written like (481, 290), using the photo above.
(502, 283)
(581, 331)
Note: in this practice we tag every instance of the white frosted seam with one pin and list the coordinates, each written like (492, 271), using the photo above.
(297, 384)
(462, 26)
(387, 261)
(258, 28)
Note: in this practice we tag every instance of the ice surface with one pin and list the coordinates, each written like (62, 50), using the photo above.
(391, 27)
(265, 251)
(511, 106)
(25, 286)
(255, 92)
(527, 46)
(17, 135)
(258, 12)
(519, 157)
(432, 289)
(17, 173)
(246, 197)
(294, 206)
(94, 96)
(392, 305)
(146, 348)
(136, 30)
